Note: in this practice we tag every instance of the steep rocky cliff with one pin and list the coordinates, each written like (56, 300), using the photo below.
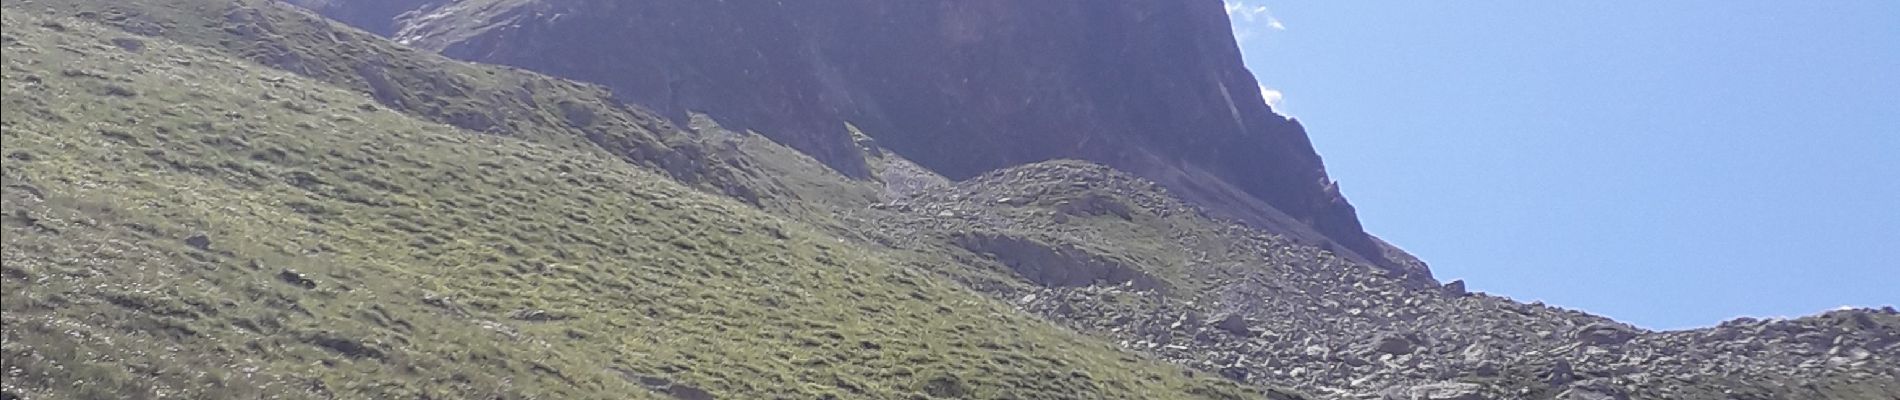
(1153, 87)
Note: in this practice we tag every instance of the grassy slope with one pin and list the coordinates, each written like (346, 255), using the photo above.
(476, 97)
(813, 193)
(440, 264)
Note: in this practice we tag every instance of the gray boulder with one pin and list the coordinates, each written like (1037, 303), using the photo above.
(1456, 288)
(1605, 333)
(1233, 323)
(1394, 344)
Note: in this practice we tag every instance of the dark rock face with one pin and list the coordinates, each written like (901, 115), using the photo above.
(1456, 288)
(754, 65)
(1153, 87)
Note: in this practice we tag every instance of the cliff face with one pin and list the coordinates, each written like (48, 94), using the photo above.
(1153, 87)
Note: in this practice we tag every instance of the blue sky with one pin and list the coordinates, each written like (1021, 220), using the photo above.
(1668, 163)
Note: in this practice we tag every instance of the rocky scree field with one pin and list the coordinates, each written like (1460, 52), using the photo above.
(1157, 275)
(1121, 258)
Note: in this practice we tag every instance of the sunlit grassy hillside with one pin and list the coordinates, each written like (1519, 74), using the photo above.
(179, 223)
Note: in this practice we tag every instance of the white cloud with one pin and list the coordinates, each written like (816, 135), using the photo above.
(1273, 97)
(1240, 11)
(1248, 19)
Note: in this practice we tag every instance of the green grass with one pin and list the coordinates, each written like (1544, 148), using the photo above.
(480, 98)
(444, 264)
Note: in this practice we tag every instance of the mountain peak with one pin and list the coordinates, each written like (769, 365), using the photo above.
(1154, 88)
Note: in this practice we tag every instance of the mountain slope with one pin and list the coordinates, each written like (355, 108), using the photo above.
(1155, 88)
(182, 224)
(225, 199)
(479, 98)
(1118, 257)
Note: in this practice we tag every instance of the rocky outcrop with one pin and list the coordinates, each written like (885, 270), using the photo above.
(1605, 333)
(1153, 87)
(1055, 265)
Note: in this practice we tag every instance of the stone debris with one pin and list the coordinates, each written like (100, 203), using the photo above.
(1286, 314)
